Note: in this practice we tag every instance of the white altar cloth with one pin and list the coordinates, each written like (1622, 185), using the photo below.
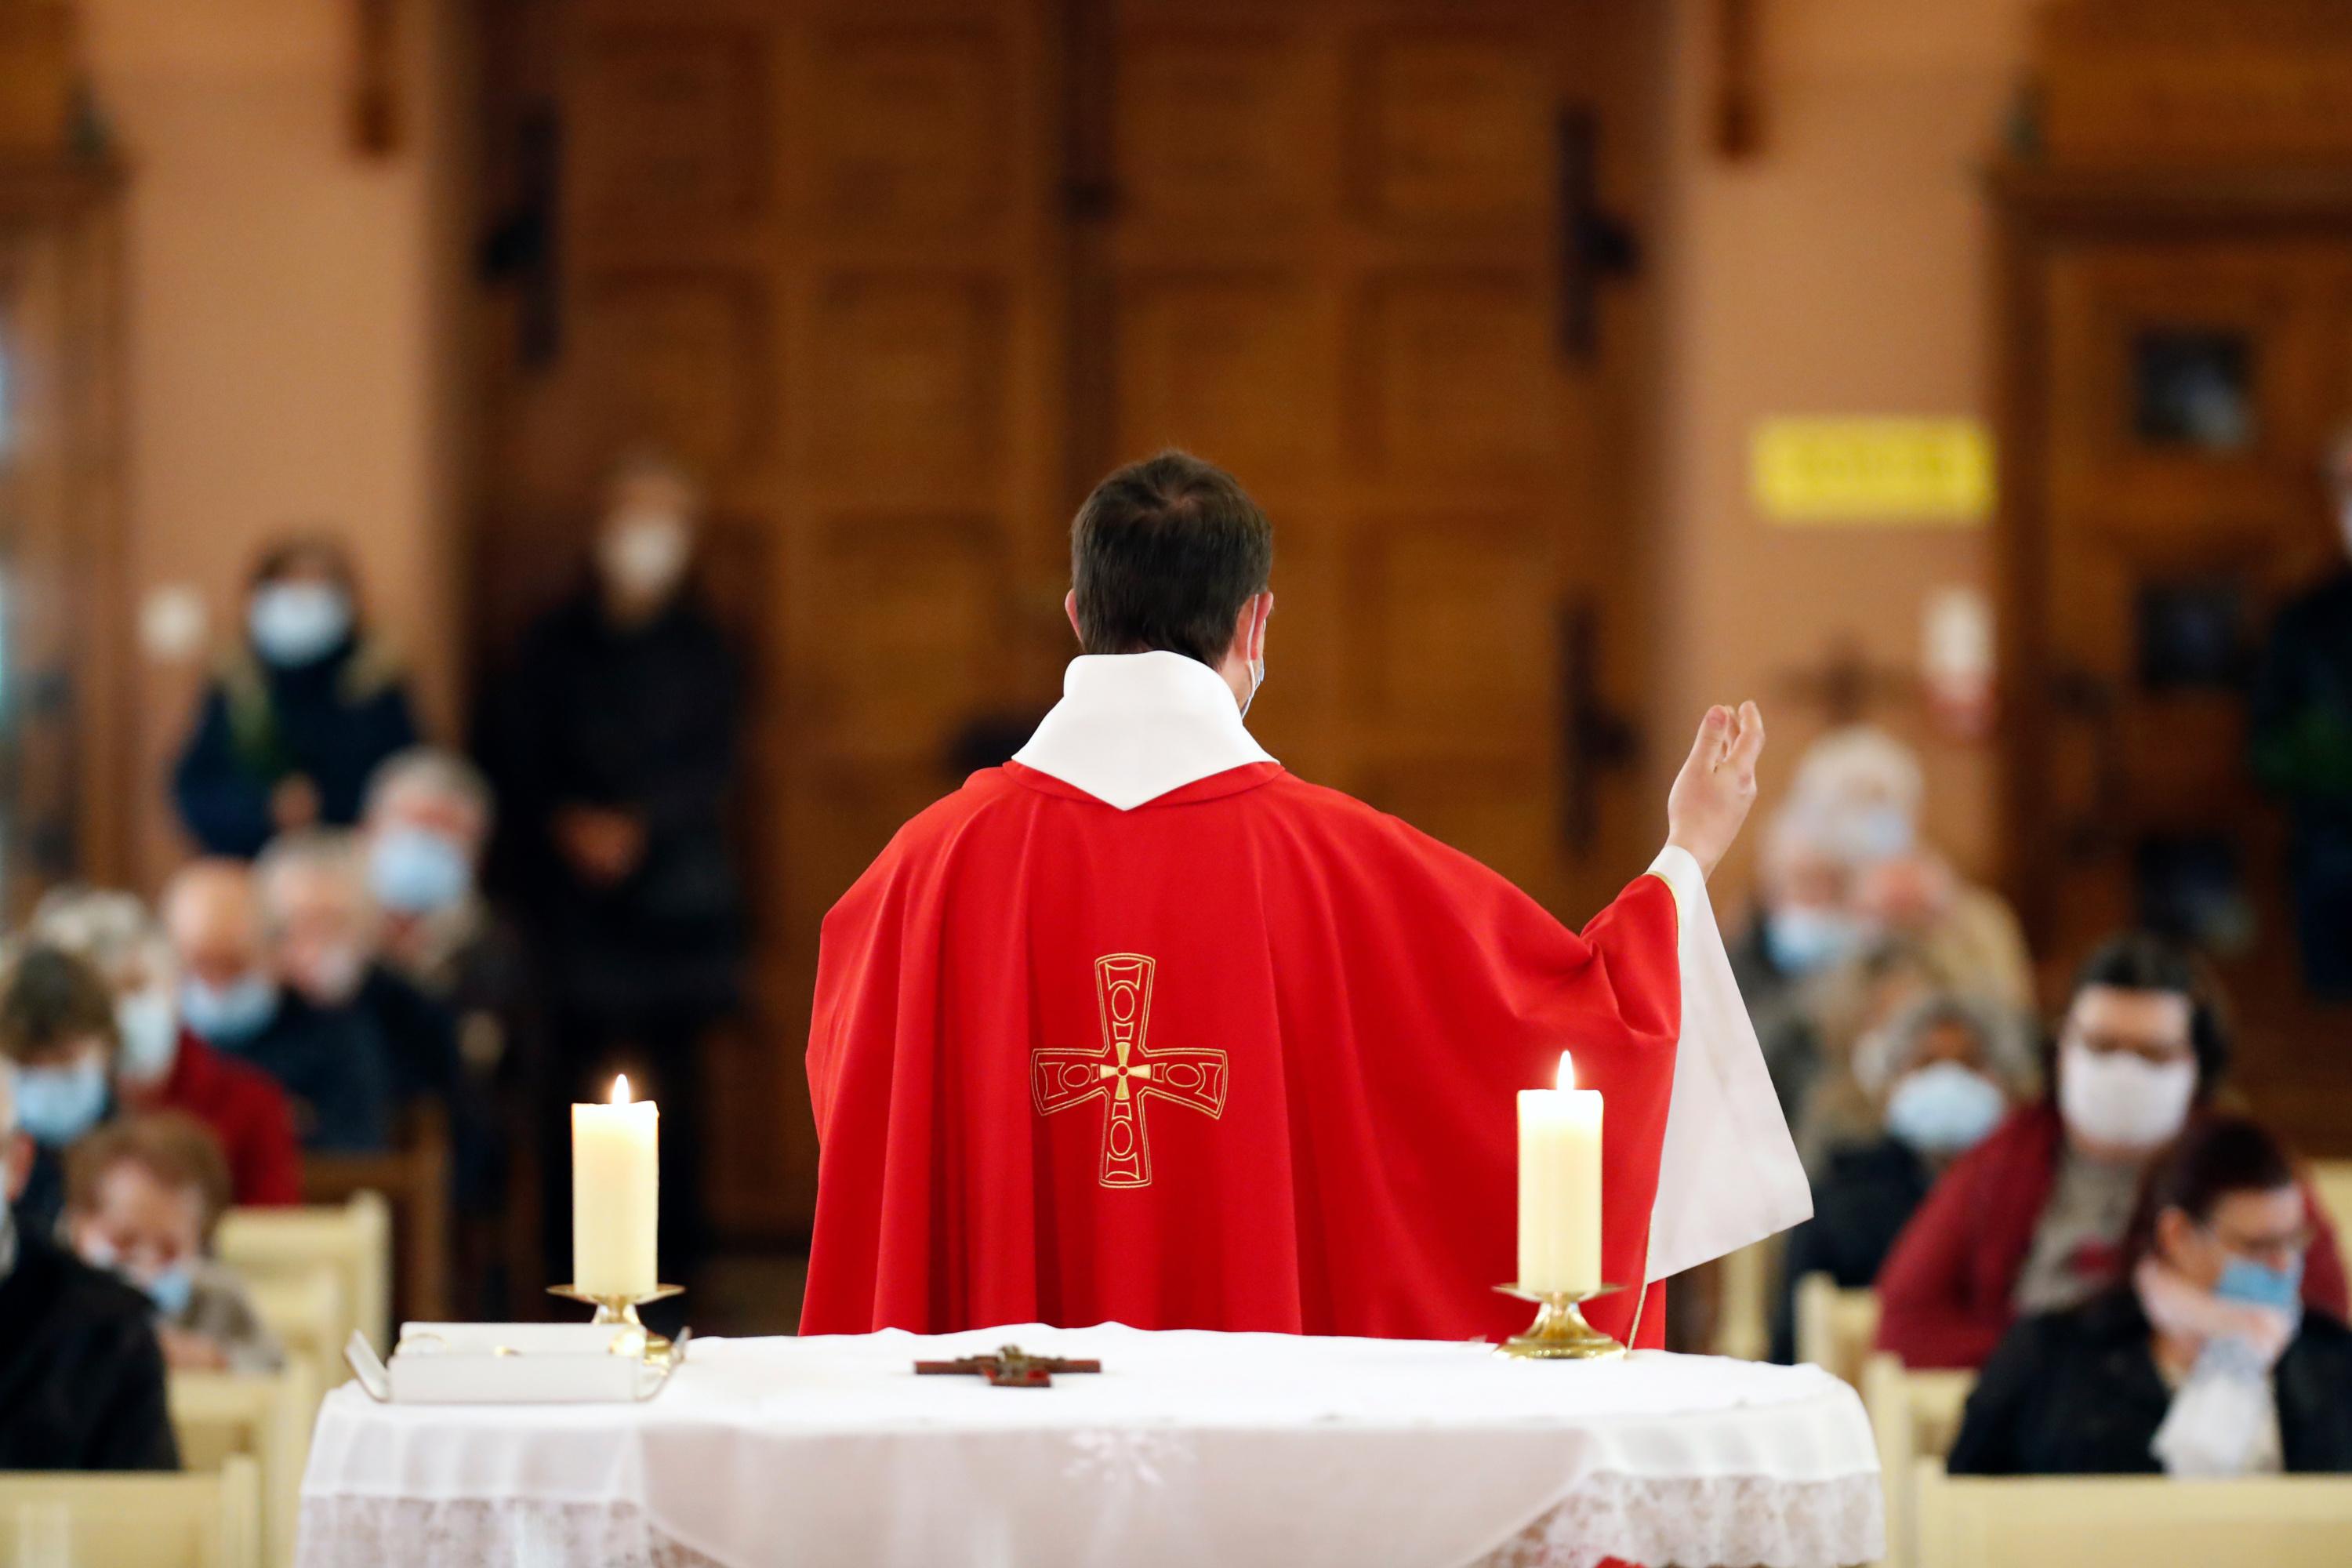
(1187, 1449)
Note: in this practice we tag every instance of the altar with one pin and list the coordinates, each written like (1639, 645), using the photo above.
(1186, 1447)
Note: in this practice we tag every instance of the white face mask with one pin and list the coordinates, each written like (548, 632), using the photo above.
(149, 1023)
(1257, 680)
(2123, 1101)
(644, 553)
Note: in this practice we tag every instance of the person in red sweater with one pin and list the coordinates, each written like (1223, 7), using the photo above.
(2032, 1218)
(162, 1065)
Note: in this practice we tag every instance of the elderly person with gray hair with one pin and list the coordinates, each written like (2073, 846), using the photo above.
(81, 1377)
(161, 1064)
(1942, 1073)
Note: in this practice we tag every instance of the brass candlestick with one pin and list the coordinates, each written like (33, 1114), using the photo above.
(1559, 1332)
(623, 1310)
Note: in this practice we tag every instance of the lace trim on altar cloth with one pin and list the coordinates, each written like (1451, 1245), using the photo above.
(1686, 1523)
(506, 1533)
(1689, 1522)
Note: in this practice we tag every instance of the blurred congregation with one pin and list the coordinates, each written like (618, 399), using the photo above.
(505, 507)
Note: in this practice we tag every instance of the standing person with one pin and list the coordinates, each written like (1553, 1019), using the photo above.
(2302, 729)
(1140, 1026)
(162, 1065)
(81, 1376)
(616, 753)
(299, 713)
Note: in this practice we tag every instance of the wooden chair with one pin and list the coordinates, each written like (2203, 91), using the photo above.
(218, 1416)
(414, 1179)
(134, 1520)
(1913, 1414)
(1743, 1315)
(2130, 1521)
(2332, 1179)
(352, 1239)
(1835, 1327)
(310, 1312)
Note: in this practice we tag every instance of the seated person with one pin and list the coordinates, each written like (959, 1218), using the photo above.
(1944, 1073)
(1867, 789)
(143, 1196)
(57, 1038)
(332, 1063)
(81, 1380)
(2201, 1360)
(163, 1065)
(322, 934)
(2033, 1219)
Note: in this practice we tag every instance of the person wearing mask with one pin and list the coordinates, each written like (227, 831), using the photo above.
(2203, 1359)
(332, 1063)
(426, 826)
(58, 1039)
(2300, 722)
(2033, 1219)
(1943, 1072)
(298, 716)
(81, 1377)
(160, 1063)
(618, 763)
(1803, 922)
(1865, 789)
(143, 1196)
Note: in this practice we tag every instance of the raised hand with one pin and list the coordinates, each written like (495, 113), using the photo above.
(1717, 785)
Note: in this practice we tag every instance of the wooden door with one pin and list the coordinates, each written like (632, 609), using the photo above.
(903, 279)
(807, 247)
(1322, 245)
(2176, 375)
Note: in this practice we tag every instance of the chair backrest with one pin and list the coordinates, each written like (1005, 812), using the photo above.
(218, 1416)
(1743, 1301)
(2130, 1521)
(414, 1179)
(132, 1520)
(353, 1238)
(1912, 1415)
(2332, 1180)
(1835, 1327)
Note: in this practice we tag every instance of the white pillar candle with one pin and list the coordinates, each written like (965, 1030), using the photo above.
(1559, 1186)
(615, 1188)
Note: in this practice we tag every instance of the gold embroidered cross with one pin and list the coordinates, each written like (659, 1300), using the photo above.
(1124, 1073)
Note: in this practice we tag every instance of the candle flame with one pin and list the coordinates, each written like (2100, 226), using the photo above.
(1567, 1070)
(621, 1088)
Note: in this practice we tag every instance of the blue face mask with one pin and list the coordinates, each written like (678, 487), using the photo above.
(298, 623)
(414, 871)
(57, 1105)
(1881, 832)
(1804, 938)
(171, 1290)
(2258, 1284)
(229, 1016)
(1944, 1109)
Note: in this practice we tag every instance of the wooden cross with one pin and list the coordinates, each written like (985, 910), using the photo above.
(1848, 684)
(1010, 1367)
(1124, 1073)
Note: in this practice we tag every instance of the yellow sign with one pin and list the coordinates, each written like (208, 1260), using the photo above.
(1871, 472)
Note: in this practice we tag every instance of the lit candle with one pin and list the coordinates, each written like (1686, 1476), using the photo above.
(616, 1186)
(1559, 1186)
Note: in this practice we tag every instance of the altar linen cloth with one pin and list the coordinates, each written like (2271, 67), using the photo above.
(1188, 1448)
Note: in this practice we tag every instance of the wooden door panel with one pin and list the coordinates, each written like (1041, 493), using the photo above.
(911, 368)
(1457, 130)
(908, 135)
(2190, 386)
(1230, 363)
(1457, 375)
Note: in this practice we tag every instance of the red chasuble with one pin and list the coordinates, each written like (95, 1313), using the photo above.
(1242, 1054)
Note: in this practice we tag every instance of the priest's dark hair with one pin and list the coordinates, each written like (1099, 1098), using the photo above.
(1164, 555)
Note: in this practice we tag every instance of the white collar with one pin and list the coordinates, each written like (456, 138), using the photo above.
(1131, 727)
